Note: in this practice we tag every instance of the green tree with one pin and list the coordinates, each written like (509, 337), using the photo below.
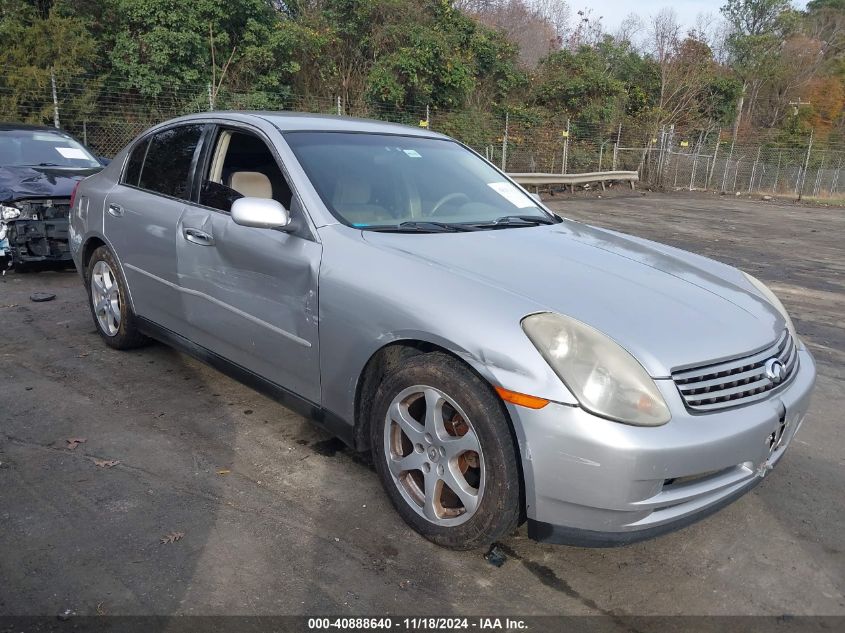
(400, 54)
(579, 83)
(639, 74)
(754, 17)
(818, 5)
(41, 43)
(757, 29)
(161, 45)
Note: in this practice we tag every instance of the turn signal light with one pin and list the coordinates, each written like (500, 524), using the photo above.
(523, 400)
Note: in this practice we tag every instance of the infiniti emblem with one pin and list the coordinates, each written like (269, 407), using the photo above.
(775, 371)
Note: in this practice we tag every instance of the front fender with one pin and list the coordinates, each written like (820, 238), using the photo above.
(370, 297)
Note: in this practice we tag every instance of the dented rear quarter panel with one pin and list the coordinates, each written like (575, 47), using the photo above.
(86, 216)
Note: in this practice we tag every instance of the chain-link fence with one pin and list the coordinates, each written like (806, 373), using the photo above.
(107, 117)
(802, 168)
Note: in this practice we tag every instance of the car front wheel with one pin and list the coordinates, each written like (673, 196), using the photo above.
(445, 453)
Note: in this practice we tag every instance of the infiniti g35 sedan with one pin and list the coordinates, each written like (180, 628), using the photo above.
(501, 364)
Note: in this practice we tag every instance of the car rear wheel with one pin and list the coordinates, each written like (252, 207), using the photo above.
(110, 308)
(445, 454)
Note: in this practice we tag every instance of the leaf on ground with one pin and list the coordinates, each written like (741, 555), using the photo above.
(223, 471)
(172, 537)
(106, 463)
(73, 442)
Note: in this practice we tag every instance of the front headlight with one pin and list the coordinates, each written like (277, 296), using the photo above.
(769, 296)
(9, 213)
(603, 376)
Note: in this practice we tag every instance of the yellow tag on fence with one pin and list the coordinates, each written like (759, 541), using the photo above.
(565, 134)
(423, 123)
(684, 143)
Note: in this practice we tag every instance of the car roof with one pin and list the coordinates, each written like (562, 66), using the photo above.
(304, 121)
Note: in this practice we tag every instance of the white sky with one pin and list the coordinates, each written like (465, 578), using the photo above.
(614, 11)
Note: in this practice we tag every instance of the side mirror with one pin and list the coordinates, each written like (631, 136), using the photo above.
(261, 213)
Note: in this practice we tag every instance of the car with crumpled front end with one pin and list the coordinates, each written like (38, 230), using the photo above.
(39, 168)
(501, 363)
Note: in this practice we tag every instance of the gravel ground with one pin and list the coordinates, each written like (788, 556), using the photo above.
(278, 518)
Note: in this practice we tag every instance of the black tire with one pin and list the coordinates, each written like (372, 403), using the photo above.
(128, 335)
(498, 510)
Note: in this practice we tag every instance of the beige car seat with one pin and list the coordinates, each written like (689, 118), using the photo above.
(252, 184)
(352, 200)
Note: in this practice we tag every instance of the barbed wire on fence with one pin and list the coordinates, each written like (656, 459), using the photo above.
(108, 116)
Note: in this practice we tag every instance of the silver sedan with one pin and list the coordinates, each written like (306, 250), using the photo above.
(501, 364)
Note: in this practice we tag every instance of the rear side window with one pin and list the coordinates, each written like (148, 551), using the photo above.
(133, 165)
(167, 167)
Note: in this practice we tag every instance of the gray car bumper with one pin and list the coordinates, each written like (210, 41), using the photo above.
(593, 482)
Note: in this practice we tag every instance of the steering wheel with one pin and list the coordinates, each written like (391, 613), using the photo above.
(445, 199)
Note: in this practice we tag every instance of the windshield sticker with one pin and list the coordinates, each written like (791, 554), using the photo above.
(512, 194)
(412, 153)
(71, 152)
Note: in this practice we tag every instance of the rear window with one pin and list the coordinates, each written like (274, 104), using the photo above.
(167, 166)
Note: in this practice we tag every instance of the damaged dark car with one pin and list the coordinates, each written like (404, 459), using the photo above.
(39, 169)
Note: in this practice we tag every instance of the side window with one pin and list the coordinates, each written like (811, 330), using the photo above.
(242, 165)
(133, 165)
(167, 167)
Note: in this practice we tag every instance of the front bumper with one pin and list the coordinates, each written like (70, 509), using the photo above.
(42, 242)
(593, 482)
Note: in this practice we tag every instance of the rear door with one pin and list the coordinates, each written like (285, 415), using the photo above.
(250, 294)
(142, 214)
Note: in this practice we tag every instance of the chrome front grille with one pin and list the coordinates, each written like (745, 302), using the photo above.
(738, 381)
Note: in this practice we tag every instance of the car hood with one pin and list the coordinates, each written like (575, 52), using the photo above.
(39, 182)
(669, 308)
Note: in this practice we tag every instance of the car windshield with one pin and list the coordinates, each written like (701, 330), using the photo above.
(407, 183)
(42, 148)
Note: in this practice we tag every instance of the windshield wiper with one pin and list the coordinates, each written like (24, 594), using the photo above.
(423, 227)
(507, 221)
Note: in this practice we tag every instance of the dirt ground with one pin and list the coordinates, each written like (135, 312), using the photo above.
(278, 518)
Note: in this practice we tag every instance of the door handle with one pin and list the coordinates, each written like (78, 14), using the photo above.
(116, 210)
(196, 236)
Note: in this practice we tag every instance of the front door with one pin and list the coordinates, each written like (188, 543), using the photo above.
(250, 294)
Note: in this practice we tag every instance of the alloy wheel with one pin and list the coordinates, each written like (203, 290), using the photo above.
(434, 455)
(105, 296)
